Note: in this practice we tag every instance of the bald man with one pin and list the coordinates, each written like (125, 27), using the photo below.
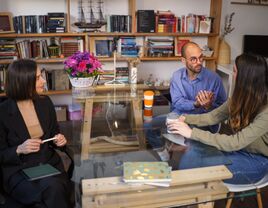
(195, 89)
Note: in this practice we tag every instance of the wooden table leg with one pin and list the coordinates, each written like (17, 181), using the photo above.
(138, 120)
(86, 129)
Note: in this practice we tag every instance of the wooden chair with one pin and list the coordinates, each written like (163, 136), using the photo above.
(234, 188)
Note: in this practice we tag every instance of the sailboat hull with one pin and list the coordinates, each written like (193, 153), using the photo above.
(89, 25)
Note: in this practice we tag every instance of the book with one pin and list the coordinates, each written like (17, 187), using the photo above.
(145, 21)
(40, 171)
(103, 48)
(146, 172)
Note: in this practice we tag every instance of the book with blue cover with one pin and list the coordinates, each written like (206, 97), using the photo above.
(146, 172)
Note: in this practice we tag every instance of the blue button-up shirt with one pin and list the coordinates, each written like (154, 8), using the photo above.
(183, 90)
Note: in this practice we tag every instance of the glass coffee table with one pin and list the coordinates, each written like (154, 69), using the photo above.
(111, 133)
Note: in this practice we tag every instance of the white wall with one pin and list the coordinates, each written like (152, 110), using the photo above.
(250, 20)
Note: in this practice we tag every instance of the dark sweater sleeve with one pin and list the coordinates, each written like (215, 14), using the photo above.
(8, 154)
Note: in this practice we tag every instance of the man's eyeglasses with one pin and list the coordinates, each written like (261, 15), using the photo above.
(194, 60)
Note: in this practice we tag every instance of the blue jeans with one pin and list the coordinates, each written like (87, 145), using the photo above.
(246, 167)
(154, 129)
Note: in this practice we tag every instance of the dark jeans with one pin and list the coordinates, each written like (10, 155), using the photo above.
(246, 167)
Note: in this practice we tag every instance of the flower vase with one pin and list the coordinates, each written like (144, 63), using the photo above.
(133, 75)
(82, 81)
(224, 56)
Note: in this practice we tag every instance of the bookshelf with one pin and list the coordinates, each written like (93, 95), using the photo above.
(89, 37)
(250, 4)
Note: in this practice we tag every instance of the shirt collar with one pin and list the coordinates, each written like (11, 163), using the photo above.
(200, 76)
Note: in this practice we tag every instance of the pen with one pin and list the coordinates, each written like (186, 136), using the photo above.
(47, 140)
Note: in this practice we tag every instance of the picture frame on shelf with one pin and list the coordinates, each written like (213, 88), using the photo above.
(205, 25)
(6, 23)
(179, 43)
(102, 46)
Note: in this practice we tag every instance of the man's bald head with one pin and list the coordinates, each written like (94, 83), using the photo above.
(187, 46)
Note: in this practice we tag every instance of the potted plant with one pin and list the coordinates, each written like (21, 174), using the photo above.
(83, 68)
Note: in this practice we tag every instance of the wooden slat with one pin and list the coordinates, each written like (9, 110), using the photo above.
(179, 178)
(177, 195)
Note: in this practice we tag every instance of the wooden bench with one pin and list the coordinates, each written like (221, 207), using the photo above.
(192, 186)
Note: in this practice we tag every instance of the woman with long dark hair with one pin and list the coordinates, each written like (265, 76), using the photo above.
(26, 119)
(247, 114)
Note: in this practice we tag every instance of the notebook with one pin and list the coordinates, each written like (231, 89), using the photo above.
(40, 171)
(146, 172)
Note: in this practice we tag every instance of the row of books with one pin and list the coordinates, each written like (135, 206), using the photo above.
(7, 48)
(127, 46)
(121, 75)
(166, 21)
(39, 48)
(160, 47)
(32, 49)
(119, 23)
(52, 22)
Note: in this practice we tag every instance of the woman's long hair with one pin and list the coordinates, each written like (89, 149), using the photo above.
(250, 92)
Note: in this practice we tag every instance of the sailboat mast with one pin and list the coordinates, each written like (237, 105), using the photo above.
(101, 18)
(92, 18)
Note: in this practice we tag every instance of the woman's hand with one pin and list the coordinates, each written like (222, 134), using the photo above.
(179, 127)
(60, 140)
(29, 146)
(182, 118)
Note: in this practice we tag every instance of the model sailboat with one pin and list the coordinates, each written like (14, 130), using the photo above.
(94, 23)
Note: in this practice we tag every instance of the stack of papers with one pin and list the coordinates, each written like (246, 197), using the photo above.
(151, 173)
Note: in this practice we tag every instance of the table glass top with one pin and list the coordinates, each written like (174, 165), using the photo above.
(110, 131)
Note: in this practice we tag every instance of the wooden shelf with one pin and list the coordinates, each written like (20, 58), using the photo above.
(39, 61)
(249, 4)
(172, 58)
(100, 88)
(101, 34)
(36, 35)
(109, 59)
(57, 92)
(105, 34)
(50, 92)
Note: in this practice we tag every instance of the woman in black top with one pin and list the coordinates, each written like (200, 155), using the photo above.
(26, 119)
